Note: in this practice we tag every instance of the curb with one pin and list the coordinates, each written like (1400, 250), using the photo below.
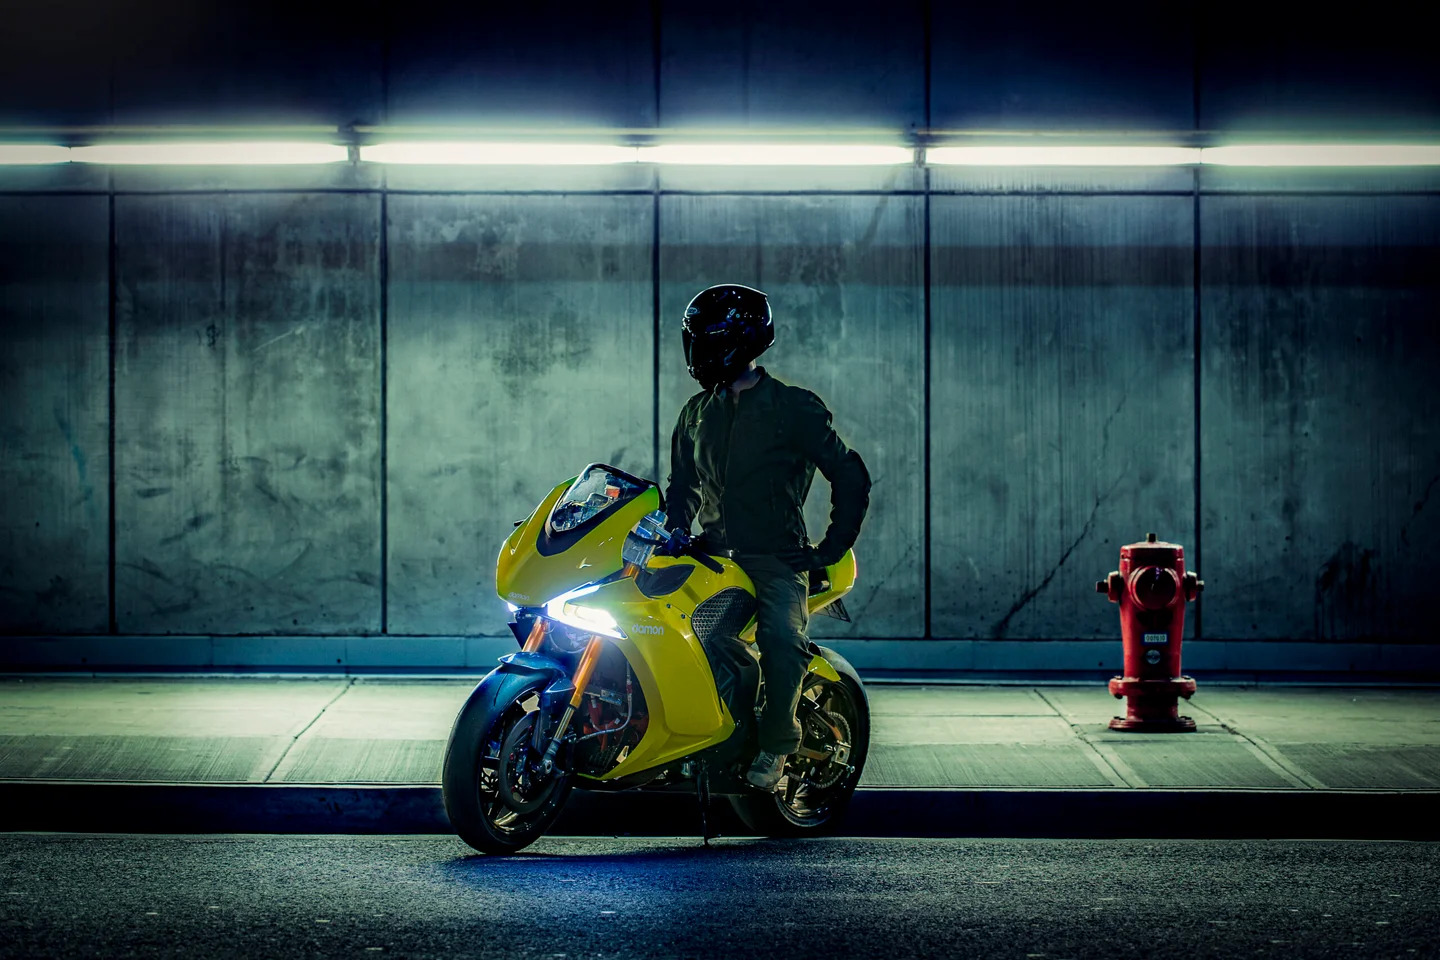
(94, 807)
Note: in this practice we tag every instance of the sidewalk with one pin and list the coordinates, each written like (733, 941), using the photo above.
(364, 754)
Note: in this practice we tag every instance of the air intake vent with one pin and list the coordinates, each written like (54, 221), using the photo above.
(723, 615)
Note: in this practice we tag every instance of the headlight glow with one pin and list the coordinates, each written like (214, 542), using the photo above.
(591, 619)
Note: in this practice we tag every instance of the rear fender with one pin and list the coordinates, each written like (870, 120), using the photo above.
(821, 667)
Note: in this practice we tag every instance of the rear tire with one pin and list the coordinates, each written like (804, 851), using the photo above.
(470, 780)
(808, 810)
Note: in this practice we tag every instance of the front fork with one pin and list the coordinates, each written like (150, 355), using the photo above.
(583, 671)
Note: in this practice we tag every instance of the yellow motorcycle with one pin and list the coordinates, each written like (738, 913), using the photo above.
(638, 669)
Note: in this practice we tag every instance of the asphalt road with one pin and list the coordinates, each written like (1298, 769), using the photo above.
(338, 896)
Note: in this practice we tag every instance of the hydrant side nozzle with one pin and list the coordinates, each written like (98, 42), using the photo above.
(1102, 586)
(1193, 586)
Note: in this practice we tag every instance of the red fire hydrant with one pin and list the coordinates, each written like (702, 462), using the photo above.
(1152, 589)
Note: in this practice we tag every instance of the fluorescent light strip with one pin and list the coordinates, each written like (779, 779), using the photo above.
(239, 154)
(1323, 155)
(1059, 156)
(32, 153)
(726, 154)
(748, 154)
(517, 154)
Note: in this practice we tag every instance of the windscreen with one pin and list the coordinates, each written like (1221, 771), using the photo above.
(595, 490)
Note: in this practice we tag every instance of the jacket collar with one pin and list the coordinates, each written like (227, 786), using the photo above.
(721, 390)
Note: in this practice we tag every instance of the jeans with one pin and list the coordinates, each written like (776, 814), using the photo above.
(783, 620)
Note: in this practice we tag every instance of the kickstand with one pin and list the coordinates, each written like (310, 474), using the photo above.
(702, 793)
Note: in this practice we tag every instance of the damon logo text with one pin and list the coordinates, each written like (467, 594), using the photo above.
(647, 628)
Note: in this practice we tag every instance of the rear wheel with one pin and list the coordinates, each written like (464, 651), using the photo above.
(495, 798)
(820, 779)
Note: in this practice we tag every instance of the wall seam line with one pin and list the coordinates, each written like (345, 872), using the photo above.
(384, 413)
(112, 320)
(1195, 386)
(655, 335)
(926, 377)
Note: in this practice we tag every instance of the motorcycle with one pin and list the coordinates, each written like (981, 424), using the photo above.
(638, 670)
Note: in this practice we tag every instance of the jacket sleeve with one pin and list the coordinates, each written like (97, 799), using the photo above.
(849, 480)
(682, 487)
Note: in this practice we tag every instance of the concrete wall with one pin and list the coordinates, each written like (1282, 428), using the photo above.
(1062, 415)
(330, 403)
(247, 397)
(54, 414)
(521, 345)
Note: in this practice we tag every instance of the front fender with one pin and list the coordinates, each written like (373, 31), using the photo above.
(518, 673)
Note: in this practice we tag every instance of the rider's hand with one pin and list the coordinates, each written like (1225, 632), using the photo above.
(805, 559)
(675, 544)
(799, 559)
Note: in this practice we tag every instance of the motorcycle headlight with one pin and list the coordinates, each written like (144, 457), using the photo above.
(564, 609)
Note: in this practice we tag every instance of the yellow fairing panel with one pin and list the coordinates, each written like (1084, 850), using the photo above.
(686, 712)
(525, 577)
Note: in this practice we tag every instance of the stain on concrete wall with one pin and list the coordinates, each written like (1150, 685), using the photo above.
(845, 278)
(247, 414)
(54, 414)
(1061, 404)
(1320, 445)
(520, 349)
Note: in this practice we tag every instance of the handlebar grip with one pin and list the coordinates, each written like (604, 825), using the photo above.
(705, 559)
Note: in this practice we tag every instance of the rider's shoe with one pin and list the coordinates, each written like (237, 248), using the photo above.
(766, 771)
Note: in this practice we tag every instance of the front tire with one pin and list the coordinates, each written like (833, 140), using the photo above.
(470, 778)
(814, 802)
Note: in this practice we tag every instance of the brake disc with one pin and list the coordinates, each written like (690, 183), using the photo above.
(825, 775)
(521, 788)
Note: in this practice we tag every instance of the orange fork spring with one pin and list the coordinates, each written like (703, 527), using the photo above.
(588, 659)
(537, 636)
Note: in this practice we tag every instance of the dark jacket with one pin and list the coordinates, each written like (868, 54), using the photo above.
(743, 466)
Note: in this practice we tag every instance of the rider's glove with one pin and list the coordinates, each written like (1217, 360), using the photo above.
(807, 558)
(675, 544)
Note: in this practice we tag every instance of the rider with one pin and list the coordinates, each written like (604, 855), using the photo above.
(742, 457)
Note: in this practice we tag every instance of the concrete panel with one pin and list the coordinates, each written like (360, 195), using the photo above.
(248, 62)
(54, 414)
(1367, 73)
(311, 177)
(520, 349)
(1320, 450)
(247, 395)
(1062, 412)
(1060, 66)
(1043, 180)
(810, 64)
(844, 275)
(1333, 180)
(889, 178)
(557, 62)
(54, 178)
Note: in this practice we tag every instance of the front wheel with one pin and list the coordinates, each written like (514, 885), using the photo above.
(494, 798)
(819, 779)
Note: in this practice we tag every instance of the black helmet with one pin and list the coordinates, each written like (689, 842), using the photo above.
(725, 327)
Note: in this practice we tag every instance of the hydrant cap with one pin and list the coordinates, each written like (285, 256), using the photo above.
(1154, 588)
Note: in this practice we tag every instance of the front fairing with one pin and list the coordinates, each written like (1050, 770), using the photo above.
(527, 577)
